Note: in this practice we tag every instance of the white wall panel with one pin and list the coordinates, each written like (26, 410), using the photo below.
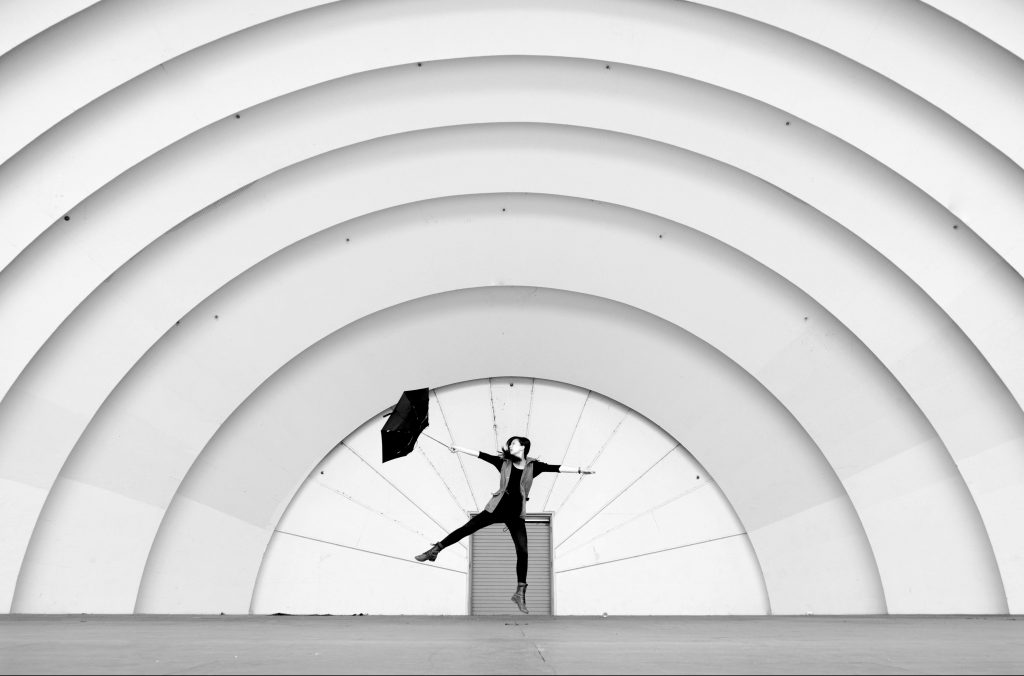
(73, 534)
(340, 585)
(713, 579)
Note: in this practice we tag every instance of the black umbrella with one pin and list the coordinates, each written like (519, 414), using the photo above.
(405, 424)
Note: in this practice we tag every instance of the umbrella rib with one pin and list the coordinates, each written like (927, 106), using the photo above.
(618, 495)
(458, 457)
(366, 551)
(567, 447)
(688, 491)
(402, 493)
(597, 457)
(658, 551)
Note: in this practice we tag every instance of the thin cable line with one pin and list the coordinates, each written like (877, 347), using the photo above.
(674, 498)
(458, 456)
(529, 409)
(494, 416)
(618, 495)
(600, 452)
(566, 451)
(660, 551)
(403, 494)
(366, 551)
(370, 509)
(437, 472)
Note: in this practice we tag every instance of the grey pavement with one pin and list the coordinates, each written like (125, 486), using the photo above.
(92, 644)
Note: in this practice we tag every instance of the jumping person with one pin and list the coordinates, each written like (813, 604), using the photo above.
(507, 505)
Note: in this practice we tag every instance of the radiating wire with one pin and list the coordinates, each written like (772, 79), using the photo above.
(370, 509)
(402, 493)
(654, 508)
(600, 452)
(566, 452)
(458, 456)
(494, 416)
(367, 551)
(529, 409)
(659, 551)
(619, 494)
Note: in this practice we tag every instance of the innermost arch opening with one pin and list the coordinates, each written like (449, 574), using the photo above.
(648, 533)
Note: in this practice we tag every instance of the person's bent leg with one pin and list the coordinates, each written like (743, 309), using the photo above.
(517, 529)
(479, 521)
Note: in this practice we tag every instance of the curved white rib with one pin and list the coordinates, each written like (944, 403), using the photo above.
(95, 51)
(945, 159)
(20, 20)
(918, 47)
(464, 249)
(486, 327)
(1001, 21)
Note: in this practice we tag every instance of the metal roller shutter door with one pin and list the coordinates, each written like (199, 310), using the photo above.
(492, 576)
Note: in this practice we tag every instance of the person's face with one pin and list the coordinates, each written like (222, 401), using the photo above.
(516, 449)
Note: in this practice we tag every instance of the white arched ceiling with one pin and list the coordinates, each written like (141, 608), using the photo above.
(808, 526)
(355, 520)
(903, 237)
(530, 159)
(512, 246)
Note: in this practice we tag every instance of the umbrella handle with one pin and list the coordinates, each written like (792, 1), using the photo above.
(433, 439)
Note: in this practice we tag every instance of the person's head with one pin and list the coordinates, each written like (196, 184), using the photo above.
(517, 447)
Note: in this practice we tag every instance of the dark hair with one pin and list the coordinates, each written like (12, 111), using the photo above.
(523, 440)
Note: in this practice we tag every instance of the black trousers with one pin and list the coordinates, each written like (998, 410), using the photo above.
(516, 528)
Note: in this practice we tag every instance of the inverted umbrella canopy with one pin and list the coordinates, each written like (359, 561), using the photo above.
(404, 425)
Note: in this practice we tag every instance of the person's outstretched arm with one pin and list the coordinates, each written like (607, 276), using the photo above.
(540, 467)
(568, 469)
(486, 457)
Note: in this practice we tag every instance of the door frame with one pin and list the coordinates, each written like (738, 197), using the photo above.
(546, 517)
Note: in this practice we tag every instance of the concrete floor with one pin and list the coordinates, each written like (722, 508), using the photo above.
(89, 644)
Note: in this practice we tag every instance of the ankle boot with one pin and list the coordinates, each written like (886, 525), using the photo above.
(430, 554)
(520, 597)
